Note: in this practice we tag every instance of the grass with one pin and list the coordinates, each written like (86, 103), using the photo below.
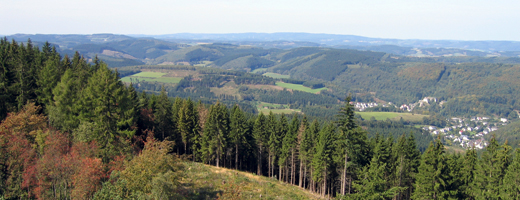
(151, 77)
(150, 74)
(160, 79)
(392, 116)
(275, 108)
(259, 70)
(276, 75)
(209, 182)
(299, 87)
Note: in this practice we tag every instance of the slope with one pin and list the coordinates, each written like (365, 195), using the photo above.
(209, 182)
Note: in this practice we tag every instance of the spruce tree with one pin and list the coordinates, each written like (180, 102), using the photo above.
(511, 185)
(187, 124)
(163, 118)
(431, 179)
(260, 136)
(322, 160)
(238, 131)
(491, 170)
(216, 132)
(272, 131)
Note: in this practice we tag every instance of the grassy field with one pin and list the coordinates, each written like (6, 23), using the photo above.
(299, 87)
(150, 74)
(391, 116)
(276, 75)
(275, 108)
(209, 182)
(151, 77)
(259, 70)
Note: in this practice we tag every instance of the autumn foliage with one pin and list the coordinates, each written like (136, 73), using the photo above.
(43, 163)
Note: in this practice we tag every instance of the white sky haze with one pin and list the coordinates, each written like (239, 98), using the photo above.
(400, 19)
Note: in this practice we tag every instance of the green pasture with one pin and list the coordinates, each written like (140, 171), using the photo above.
(299, 87)
(391, 115)
(259, 70)
(151, 77)
(150, 74)
(279, 108)
(276, 75)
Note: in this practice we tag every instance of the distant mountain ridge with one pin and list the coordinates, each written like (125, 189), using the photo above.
(332, 40)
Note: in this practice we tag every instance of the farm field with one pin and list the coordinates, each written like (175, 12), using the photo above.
(259, 70)
(151, 77)
(299, 87)
(275, 108)
(391, 116)
(276, 75)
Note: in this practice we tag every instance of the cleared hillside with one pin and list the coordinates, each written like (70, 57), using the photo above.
(209, 182)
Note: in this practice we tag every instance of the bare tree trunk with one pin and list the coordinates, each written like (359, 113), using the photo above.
(280, 173)
(300, 181)
(305, 177)
(324, 182)
(269, 165)
(259, 165)
(218, 159)
(236, 156)
(344, 175)
(286, 172)
(292, 167)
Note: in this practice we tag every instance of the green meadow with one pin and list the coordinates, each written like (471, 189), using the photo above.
(391, 116)
(276, 75)
(299, 87)
(151, 77)
(275, 108)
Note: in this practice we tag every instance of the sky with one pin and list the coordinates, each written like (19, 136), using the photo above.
(399, 19)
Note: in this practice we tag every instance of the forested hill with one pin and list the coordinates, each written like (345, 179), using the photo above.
(72, 130)
(469, 83)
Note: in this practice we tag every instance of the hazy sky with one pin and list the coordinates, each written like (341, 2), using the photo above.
(402, 19)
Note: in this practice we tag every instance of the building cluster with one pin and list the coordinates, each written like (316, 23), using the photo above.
(362, 106)
(421, 103)
(469, 132)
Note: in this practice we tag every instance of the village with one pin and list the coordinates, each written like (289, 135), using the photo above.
(463, 132)
(468, 132)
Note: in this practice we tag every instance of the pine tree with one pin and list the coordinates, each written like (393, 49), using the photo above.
(351, 144)
(216, 131)
(322, 160)
(282, 152)
(406, 163)
(468, 173)
(238, 131)
(375, 183)
(163, 118)
(63, 113)
(302, 148)
(187, 124)
(260, 136)
(112, 115)
(431, 179)
(511, 186)
(491, 170)
(289, 148)
(272, 131)
(48, 78)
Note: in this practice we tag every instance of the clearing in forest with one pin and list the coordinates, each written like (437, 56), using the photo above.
(392, 116)
(300, 87)
(151, 77)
